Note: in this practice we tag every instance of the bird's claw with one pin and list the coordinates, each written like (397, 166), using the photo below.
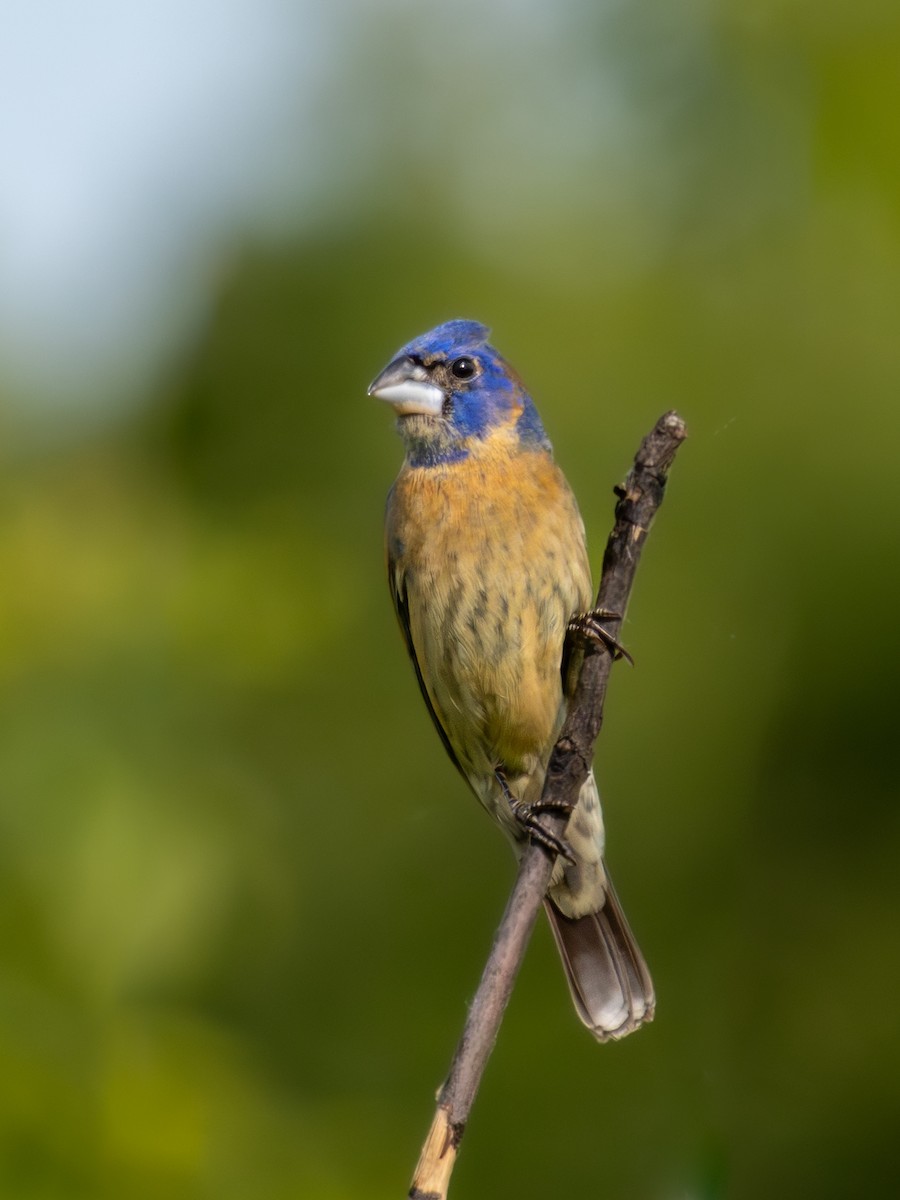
(527, 816)
(588, 627)
(528, 819)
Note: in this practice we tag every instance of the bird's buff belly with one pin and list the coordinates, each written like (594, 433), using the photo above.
(490, 657)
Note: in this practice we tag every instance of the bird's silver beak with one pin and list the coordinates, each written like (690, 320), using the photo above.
(405, 384)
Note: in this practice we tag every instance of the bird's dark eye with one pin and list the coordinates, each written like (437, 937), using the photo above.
(463, 368)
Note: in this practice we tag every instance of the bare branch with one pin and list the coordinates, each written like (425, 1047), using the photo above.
(639, 498)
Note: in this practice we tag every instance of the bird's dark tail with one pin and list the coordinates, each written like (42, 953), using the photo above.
(607, 975)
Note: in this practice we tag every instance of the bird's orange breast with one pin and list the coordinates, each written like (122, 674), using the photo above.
(489, 553)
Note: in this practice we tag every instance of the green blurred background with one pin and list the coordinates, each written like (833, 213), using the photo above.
(244, 897)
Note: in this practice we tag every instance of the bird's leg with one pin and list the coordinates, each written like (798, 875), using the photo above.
(588, 627)
(528, 820)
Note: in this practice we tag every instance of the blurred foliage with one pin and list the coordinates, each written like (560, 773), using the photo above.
(244, 896)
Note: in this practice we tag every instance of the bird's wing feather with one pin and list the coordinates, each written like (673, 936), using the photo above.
(401, 607)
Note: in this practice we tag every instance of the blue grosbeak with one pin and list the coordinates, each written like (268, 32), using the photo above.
(487, 564)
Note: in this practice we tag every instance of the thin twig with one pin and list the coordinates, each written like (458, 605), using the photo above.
(639, 498)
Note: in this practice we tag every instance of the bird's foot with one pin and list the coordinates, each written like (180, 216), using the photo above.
(528, 818)
(588, 627)
(529, 821)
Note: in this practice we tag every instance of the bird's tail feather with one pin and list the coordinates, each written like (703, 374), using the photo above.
(606, 972)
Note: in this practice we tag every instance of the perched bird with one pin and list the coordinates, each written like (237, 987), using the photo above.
(487, 564)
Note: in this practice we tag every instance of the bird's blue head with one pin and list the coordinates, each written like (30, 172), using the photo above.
(452, 391)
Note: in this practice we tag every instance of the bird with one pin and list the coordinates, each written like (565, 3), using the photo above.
(487, 566)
